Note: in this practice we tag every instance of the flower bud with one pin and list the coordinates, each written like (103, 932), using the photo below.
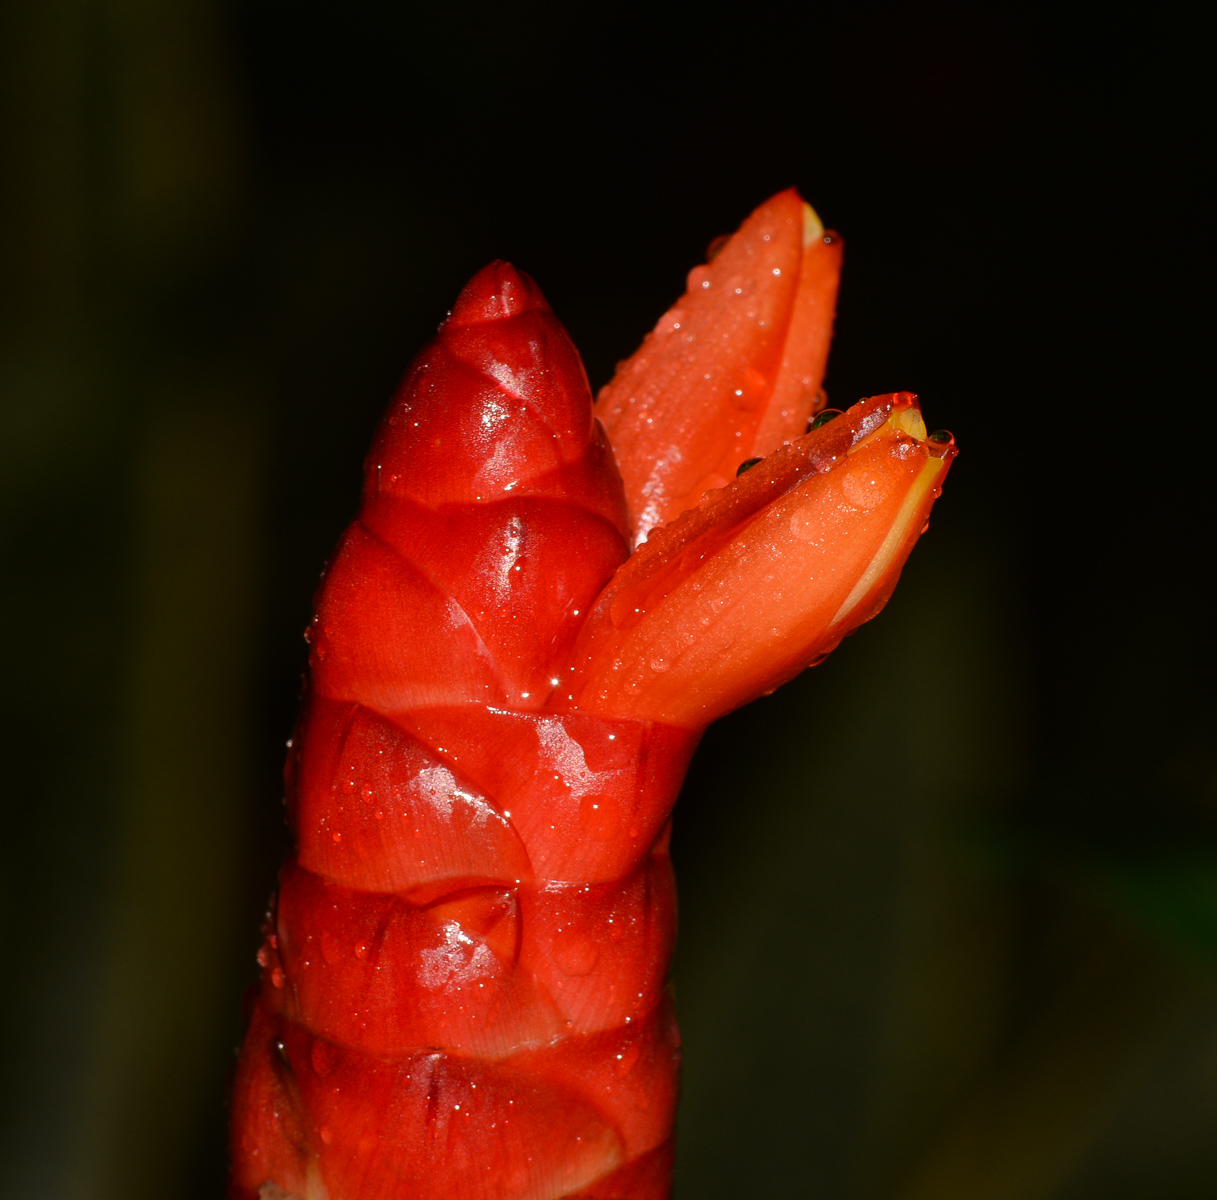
(732, 370)
(765, 576)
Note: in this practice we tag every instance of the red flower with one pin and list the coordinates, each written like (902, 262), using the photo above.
(463, 978)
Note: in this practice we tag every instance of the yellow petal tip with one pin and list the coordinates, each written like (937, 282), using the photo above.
(909, 420)
(813, 227)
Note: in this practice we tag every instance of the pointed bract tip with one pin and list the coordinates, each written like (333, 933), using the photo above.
(496, 292)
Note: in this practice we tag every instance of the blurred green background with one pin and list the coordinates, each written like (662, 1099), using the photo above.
(949, 902)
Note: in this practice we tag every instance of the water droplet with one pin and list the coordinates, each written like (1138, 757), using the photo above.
(864, 487)
(628, 1058)
(714, 249)
(277, 977)
(822, 419)
(660, 665)
(326, 1133)
(263, 956)
(746, 465)
(281, 1053)
(942, 436)
(599, 818)
(575, 952)
(830, 237)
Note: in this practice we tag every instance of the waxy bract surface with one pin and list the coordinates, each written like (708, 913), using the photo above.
(463, 989)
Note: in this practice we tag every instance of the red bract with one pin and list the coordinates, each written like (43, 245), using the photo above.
(463, 977)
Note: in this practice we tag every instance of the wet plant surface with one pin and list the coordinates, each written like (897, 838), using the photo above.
(947, 901)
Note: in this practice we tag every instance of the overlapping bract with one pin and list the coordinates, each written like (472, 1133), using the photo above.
(463, 977)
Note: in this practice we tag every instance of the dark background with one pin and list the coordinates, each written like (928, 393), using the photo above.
(949, 902)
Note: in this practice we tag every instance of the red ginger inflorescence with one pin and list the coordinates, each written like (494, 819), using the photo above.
(463, 989)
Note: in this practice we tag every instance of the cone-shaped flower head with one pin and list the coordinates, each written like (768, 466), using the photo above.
(463, 973)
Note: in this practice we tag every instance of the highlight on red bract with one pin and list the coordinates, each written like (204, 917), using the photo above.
(463, 991)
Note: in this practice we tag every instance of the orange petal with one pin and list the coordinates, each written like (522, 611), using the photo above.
(732, 370)
(796, 391)
(766, 576)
